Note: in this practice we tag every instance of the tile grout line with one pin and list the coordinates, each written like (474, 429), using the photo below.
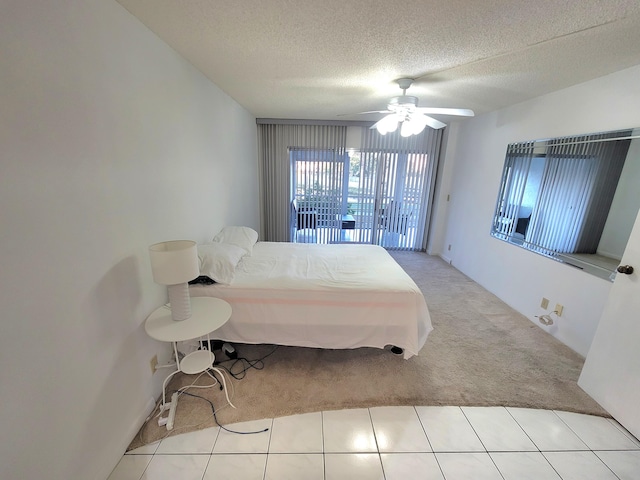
(266, 460)
(635, 448)
(588, 446)
(375, 439)
(626, 432)
(605, 464)
(474, 430)
(583, 441)
(424, 429)
(536, 445)
(484, 446)
(206, 467)
(324, 458)
(523, 430)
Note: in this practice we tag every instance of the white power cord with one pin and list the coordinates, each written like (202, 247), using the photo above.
(546, 318)
(224, 383)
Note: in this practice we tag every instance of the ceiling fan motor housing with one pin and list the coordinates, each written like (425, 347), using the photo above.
(403, 102)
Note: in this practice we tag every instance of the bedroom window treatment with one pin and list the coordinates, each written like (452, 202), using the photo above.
(577, 189)
(555, 198)
(275, 142)
(378, 192)
(511, 196)
(320, 194)
(567, 186)
(397, 201)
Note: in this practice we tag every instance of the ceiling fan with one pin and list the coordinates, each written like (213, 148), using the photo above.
(404, 110)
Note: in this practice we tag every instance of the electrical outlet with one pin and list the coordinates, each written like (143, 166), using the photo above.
(153, 363)
(544, 303)
(559, 309)
(449, 248)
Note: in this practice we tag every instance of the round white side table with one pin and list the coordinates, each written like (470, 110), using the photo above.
(207, 315)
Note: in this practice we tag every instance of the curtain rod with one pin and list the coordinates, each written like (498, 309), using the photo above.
(288, 121)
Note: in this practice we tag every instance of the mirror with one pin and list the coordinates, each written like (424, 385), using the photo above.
(573, 199)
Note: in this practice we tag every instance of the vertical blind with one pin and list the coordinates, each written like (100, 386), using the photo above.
(574, 195)
(566, 189)
(404, 185)
(515, 176)
(319, 192)
(309, 163)
(274, 169)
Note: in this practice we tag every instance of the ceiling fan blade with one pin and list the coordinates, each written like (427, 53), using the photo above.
(463, 112)
(387, 124)
(365, 113)
(433, 123)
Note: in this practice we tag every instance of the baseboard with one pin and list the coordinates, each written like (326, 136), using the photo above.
(148, 410)
(445, 258)
(128, 438)
(137, 425)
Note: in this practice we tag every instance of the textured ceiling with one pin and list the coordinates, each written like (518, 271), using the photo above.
(317, 59)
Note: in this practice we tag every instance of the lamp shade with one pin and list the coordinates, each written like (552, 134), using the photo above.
(174, 262)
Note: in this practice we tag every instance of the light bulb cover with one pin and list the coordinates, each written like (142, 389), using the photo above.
(413, 125)
(407, 129)
(388, 124)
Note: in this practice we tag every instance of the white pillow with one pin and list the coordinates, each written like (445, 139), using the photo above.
(218, 261)
(244, 237)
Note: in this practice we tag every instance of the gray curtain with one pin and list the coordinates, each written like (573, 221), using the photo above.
(274, 169)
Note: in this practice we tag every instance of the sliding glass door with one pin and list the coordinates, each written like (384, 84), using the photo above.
(360, 196)
(388, 197)
(319, 195)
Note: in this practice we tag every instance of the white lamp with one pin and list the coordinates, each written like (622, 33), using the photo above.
(174, 264)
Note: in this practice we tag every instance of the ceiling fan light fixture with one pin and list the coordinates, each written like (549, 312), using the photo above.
(388, 124)
(404, 110)
(413, 125)
(418, 123)
(407, 128)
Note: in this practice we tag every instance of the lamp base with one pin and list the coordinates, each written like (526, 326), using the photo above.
(179, 301)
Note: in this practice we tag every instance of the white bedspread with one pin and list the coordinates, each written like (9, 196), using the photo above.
(326, 296)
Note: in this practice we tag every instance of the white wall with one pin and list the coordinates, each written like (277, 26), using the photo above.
(624, 207)
(472, 172)
(109, 142)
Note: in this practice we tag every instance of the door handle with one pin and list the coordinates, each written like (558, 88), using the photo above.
(626, 269)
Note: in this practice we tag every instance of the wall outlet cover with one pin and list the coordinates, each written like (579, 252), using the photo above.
(153, 363)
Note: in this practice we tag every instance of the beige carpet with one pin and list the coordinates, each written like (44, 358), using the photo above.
(481, 352)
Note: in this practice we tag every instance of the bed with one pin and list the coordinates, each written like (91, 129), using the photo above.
(336, 296)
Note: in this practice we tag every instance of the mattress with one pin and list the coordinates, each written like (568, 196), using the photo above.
(325, 296)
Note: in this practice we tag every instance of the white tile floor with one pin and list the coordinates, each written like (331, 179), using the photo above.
(397, 443)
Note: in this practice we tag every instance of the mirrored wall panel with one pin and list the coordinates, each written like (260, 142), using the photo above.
(573, 199)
